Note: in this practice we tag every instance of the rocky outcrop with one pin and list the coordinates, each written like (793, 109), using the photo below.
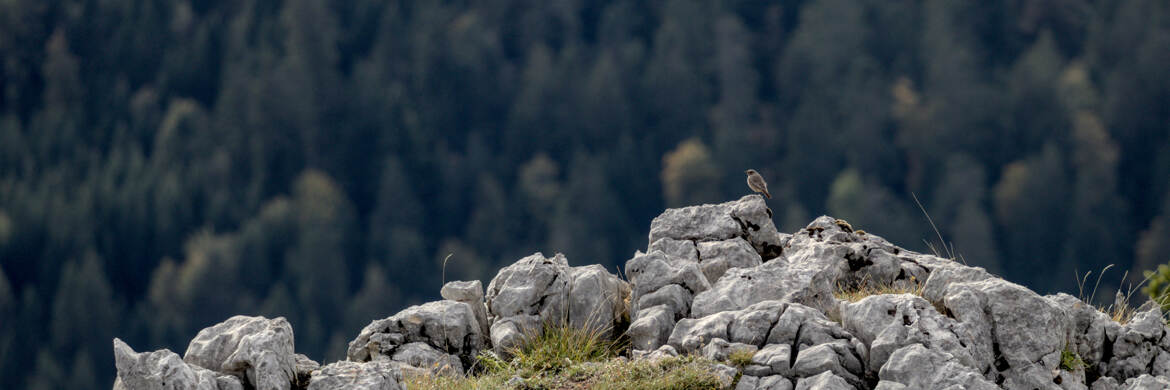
(536, 291)
(256, 349)
(164, 369)
(719, 281)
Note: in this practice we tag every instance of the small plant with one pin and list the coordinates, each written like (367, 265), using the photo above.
(1070, 361)
(1158, 286)
(948, 247)
(560, 346)
(741, 357)
(1121, 310)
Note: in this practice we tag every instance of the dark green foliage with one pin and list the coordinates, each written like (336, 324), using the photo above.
(167, 164)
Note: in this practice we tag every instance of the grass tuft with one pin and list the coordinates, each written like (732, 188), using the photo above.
(1070, 361)
(673, 373)
(1121, 310)
(854, 292)
(741, 357)
(558, 347)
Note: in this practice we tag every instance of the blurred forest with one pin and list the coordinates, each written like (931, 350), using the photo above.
(165, 164)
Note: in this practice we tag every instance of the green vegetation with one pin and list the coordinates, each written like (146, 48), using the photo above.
(675, 373)
(1070, 361)
(740, 357)
(1158, 286)
(558, 347)
(565, 358)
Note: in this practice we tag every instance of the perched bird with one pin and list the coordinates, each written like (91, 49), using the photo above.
(756, 182)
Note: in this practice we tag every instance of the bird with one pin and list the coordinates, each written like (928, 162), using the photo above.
(756, 182)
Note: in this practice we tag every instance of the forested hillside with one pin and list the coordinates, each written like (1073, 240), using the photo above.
(165, 164)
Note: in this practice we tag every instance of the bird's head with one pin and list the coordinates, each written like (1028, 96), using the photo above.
(750, 171)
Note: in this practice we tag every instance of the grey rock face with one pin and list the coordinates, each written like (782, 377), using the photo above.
(471, 293)
(303, 369)
(887, 323)
(719, 349)
(537, 290)
(422, 355)
(1138, 347)
(1089, 327)
(374, 375)
(652, 328)
(164, 370)
(255, 348)
(806, 283)
(751, 325)
(652, 271)
(447, 326)
(1013, 330)
(597, 299)
(823, 381)
(748, 218)
(534, 285)
(716, 257)
(1147, 382)
(916, 367)
(815, 262)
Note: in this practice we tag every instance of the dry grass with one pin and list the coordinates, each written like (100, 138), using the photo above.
(680, 373)
(854, 292)
(1121, 310)
(563, 357)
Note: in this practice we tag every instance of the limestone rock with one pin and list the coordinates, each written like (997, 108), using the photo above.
(1012, 330)
(471, 293)
(597, 299)
(255, 348)
(752, 325)
(652, 328)
(773, 359)
(916, 367)
(447, 326)
(716, 257)
(422, 355)
(373, 375)
(823, 381)
(887, 323)
(652, 271)
(1147, 382)
(747, 217)
(719, 349)
(537, 290)
(303, 368)
(1136, 347)
(164, 370)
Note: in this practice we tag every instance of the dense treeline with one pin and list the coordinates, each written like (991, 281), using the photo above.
(165, 164)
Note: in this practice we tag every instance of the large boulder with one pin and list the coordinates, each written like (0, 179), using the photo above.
(1139, 347)
(470, 293)
(824, 256)
(1013, 331)
(258, 349)
(917, 367)
(716, 257)
(536, 291)
(748, 217)
(165, 370)
(886, 323)
(447, 326)
(373, 375)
